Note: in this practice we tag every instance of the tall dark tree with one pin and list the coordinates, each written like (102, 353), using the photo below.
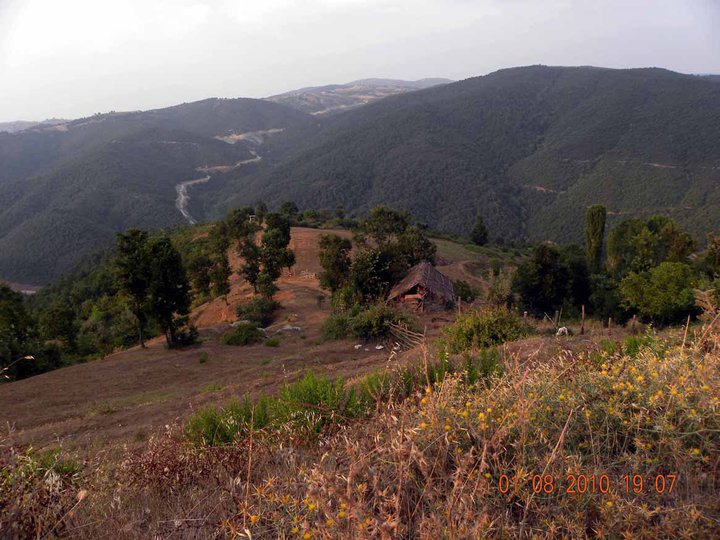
(335, 261)
(479, 233)
(595, 217)
(250, 268)
(198, 268)
(220, 239)
(133, 274)
(260, 210)
(16, 328)
(542, 281)
(169, 291)
(220, 273)
(59, 322)
(289, 210)
(712, 256)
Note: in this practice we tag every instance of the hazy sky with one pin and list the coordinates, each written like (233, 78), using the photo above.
(71, 58)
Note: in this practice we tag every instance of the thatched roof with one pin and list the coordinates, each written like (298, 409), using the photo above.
(428, 277)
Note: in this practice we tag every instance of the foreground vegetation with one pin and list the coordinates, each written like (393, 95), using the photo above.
(617, 441)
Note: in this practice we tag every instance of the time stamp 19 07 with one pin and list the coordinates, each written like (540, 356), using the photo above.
(588, 483)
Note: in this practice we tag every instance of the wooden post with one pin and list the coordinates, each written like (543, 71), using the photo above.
(609, 325)
(582, 320)
(633, 329)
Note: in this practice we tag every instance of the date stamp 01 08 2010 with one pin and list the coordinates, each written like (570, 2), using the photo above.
(588, 483)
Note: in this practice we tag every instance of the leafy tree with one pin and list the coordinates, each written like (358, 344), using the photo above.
(335, 261)
(595, 217)
(250, 268)
(541, 282)
(59, 322)
(219, 275)
(414, 247)
(712, 256)
(198, 268)
(371, 274)
(237, 224)
(16, 329)
(664, 293)
(220, 271)
(384, 223)
(260, 211)
(289, 210)
(479, 233)
(133, 273)
(169, 288)
(636, 245)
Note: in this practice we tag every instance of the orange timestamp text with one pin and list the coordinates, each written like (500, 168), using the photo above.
(588, 483)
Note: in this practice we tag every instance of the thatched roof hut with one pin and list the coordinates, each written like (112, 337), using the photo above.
(424, 287)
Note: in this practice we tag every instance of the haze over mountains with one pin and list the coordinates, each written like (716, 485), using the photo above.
(339, 97)
(528, 148)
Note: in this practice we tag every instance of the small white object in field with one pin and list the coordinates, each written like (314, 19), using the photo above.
(358, 347)
(379, 347)
(562, 331)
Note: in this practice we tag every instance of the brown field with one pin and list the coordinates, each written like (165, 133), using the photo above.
(125, 397)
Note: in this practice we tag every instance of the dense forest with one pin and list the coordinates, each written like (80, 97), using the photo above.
(66, 190)
(531, 147)
(528, 147)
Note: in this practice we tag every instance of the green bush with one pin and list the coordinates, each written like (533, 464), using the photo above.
(370, 323)
(272, 342)
(481, 329)
(465, 291)
(203, 357)
(243, 334)
(336, 326)
(374, 322)
(312, 402)
(259, 310)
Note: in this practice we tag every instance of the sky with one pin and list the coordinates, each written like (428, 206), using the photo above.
(73, 58)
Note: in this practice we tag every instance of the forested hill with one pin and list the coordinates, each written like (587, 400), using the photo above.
(65, 189)
(529, 148)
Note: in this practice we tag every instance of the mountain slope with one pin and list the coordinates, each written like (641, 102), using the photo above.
(67, 188)
(318, 100)
(528, 148)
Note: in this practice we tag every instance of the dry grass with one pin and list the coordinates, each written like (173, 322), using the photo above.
(441, 458)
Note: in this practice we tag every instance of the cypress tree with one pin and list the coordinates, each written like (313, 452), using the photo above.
(595, 217)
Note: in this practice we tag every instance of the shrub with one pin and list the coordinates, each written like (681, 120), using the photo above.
(465, 291)
(481, 329)
(272, 342)
(259, 310)
(374, 322)
(312, 402)
(185, 337)
(336, 326)
(203, 357)
(243, 334)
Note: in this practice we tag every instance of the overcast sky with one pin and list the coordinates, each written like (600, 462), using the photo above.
(72, 58)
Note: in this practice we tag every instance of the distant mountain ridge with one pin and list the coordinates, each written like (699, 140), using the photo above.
(527, 148)
(19, 125)
(67, 188)
(319, 100)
